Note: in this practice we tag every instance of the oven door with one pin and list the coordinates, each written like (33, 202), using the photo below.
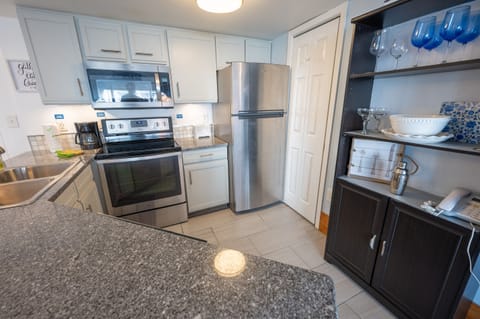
(135, 184)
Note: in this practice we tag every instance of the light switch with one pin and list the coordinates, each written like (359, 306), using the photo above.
(12, 121)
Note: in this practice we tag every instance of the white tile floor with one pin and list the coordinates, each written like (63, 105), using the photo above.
(281, 234)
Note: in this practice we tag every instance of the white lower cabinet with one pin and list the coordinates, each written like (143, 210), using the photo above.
(82, 193)
(206, 178)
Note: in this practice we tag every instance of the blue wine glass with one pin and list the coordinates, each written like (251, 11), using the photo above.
(423, 33)
(453, 25)
(472, 30)
(435, 41)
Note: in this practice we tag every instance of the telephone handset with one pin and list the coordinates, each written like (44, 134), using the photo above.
(462, 204)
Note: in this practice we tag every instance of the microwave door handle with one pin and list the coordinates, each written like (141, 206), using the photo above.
(157, 86)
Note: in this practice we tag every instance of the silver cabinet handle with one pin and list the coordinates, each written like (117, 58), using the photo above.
(144, 53)
(206, 155)
(372, 242)
(178, 89)
(384, 244)
(110, 51)
(80, 87)
(190, 177)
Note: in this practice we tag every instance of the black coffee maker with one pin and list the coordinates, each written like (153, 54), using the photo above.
(88, 135)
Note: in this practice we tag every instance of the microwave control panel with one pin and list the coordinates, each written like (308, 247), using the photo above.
(136, 125)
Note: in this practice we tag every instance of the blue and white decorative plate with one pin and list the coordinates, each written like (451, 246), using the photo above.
(465, 122)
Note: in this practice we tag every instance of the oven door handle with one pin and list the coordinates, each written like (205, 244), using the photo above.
(137, 158)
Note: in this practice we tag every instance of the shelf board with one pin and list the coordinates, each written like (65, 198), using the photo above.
(470, 149)
(436, 68)
(412, 197)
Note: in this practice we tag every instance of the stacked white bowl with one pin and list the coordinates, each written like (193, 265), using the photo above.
(425, 125)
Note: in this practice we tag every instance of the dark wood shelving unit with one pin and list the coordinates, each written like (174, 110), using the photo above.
(367, 222)
(470, 149)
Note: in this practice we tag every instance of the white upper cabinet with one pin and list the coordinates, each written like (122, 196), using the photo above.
(148, 44)
(229, 49)
(102, 39)
(53, 48)
(193, 66)
(259, 51)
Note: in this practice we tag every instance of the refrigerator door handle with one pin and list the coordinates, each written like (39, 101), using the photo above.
(260, 114)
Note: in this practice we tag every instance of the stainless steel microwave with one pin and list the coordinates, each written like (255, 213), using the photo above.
(129, 86)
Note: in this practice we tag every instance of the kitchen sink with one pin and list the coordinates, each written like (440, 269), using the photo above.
(25, 184)
(24, 192)
(32, 172)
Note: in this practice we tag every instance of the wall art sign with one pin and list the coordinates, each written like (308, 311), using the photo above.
(23, 76)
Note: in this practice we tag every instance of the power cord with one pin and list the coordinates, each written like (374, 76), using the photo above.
(469, 256)
(429, 206)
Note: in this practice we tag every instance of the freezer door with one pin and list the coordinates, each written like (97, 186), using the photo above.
(259, 87)
(257, 159)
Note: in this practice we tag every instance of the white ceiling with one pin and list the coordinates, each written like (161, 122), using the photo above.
(257, 18)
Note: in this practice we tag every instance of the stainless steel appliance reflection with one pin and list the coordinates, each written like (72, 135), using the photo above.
(251, 116)
(141, 172)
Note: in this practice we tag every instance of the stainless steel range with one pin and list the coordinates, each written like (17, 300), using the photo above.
(140, 171)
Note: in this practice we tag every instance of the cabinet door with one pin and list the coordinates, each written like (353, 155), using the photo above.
(69, 197)
(422, 263)
(88, 191)
(229, 49)
(207, 184)
(102, 40)
(258, 51)
(53, 48)
(147, 44)
(193, 66)
(355, 228)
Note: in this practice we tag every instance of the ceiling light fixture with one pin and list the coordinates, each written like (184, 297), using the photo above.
(220, 6)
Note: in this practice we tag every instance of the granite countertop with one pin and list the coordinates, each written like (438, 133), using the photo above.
(59, 262)
(191, 143)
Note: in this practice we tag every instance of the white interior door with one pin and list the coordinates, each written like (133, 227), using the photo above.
(312, 74)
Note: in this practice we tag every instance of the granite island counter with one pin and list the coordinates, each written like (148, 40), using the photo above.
(59, 262)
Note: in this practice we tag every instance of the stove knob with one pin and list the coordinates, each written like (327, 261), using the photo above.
(112, 126)
(120, 126)
(157, 124)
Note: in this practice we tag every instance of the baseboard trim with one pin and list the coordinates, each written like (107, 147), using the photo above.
(473, 311)
(323, 223)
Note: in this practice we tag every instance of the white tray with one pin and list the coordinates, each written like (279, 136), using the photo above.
(422, 139)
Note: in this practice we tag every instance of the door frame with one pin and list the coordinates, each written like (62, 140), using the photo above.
(341, 13)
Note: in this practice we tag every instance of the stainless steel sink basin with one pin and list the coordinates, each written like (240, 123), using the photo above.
(32, 172)
(23, 185)
(23, 192)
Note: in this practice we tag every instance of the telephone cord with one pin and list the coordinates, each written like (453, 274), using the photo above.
(469, 256)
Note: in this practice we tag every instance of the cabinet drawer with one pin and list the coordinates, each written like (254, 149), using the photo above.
(204, 154)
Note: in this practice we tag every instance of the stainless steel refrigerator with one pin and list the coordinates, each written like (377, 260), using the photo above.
(251, 117)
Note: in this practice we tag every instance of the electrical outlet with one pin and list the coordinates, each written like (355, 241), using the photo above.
(12, 121)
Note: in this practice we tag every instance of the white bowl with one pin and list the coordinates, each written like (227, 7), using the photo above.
(425, 125)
